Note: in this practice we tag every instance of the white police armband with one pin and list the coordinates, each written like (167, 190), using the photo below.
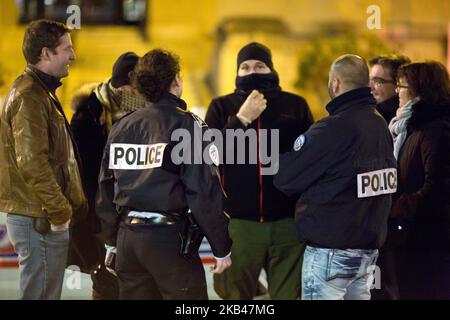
(124, 156)
(375, 183)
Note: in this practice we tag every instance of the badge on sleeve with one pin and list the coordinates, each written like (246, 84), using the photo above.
(214, 154)
(299, 142)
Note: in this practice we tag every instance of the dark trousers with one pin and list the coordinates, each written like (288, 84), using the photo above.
(149, 265)
(425, 274)
(388, 264)
(105, 285)
(413, 265)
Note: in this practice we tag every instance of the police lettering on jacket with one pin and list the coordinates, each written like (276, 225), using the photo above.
(377, 182)
(125, 156)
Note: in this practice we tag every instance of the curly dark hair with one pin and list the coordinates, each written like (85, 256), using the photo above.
(42, 34)
(428, 80)
(154, 73)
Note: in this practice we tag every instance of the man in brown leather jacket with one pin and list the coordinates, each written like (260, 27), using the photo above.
(41, 188)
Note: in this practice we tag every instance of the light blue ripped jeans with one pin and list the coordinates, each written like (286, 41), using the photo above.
(333, 274)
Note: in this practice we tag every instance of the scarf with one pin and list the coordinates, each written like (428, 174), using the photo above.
(257, 81)
(116, 102)
(398, 125)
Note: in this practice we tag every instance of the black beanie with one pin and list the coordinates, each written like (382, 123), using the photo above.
(122, 67)
(255, 51)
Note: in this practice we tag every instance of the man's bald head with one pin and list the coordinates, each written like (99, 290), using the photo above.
(351, 71)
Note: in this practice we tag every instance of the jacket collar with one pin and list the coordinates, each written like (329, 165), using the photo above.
(171, 101)
(389, 106)
(50, 82)
(350, 99)
(423, 113)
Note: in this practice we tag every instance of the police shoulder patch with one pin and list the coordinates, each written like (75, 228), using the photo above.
(198, 120)
(214, 154)
(299, 142)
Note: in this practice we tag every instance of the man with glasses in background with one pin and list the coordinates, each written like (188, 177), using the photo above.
(383, 77)
(384, 88)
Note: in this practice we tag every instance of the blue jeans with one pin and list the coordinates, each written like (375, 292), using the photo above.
(333, 274)
(42, 258)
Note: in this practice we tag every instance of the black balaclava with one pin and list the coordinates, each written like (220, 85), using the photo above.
(256, 51)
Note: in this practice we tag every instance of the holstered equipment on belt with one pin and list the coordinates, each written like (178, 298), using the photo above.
(191, 236)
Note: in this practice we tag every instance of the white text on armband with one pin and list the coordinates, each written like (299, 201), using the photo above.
(124, 156)
(376, 183)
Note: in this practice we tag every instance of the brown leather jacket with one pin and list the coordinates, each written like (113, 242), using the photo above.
(39, 173)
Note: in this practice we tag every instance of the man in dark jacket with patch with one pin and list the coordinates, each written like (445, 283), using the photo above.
(345, 169)
(261, 224)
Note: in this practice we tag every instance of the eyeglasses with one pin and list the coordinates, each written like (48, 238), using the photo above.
(379, 81)
(398, 86)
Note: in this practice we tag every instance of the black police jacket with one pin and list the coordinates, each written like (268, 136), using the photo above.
(139, 173)
(251, 195)
(345, 169)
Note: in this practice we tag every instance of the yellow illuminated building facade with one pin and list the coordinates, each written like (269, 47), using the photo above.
(207, 35)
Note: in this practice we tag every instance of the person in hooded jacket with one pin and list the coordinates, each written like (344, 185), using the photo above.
(261, 226)
(96, 108)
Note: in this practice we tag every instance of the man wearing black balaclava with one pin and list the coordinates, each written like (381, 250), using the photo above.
(261, 226)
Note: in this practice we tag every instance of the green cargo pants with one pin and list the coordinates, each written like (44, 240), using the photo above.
(269, 245)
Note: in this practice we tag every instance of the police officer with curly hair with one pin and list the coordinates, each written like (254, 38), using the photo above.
(153, 190)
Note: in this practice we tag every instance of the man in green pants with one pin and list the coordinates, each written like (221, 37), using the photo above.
(261, 226)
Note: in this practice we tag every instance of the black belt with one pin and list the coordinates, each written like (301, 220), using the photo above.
(149, 221)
